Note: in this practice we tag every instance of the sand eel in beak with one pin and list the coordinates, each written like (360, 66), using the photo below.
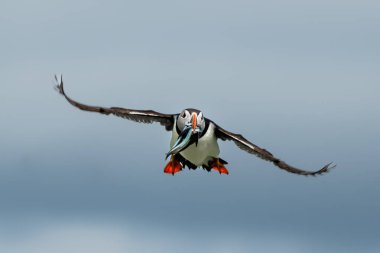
(194, 141)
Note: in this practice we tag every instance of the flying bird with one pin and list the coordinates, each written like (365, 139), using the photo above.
(194, 141)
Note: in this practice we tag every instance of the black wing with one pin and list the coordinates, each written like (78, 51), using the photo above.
(251, 148)
(142, 116)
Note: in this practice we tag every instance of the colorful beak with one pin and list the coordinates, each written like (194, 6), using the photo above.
(195, 128)
(194, 121)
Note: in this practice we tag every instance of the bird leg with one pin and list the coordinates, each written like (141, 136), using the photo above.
(173, 166)
(219, 166)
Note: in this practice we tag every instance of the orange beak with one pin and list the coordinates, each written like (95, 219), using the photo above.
(194, 121)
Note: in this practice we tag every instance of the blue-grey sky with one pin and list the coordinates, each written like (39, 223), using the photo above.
(299, 78)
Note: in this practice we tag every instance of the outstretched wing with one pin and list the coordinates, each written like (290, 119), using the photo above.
(142, 116)
(248, 146)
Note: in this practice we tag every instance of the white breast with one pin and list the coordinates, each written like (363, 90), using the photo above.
(206, 149)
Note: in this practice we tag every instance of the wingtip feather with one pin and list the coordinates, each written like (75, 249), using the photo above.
(59, 84)
(325, 169)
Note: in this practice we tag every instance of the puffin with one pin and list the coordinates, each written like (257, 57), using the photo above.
(194, 141)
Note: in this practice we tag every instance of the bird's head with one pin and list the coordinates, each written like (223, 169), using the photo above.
(190, 124)
(191, 119)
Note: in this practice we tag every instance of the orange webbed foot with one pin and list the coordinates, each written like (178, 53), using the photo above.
(217, 165)
(173, 166)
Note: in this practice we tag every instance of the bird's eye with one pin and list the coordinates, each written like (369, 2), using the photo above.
(183, 114)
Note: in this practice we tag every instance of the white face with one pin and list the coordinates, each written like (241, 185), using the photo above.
(193, 119)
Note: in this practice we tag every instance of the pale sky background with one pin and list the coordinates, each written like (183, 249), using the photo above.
(299, 78)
